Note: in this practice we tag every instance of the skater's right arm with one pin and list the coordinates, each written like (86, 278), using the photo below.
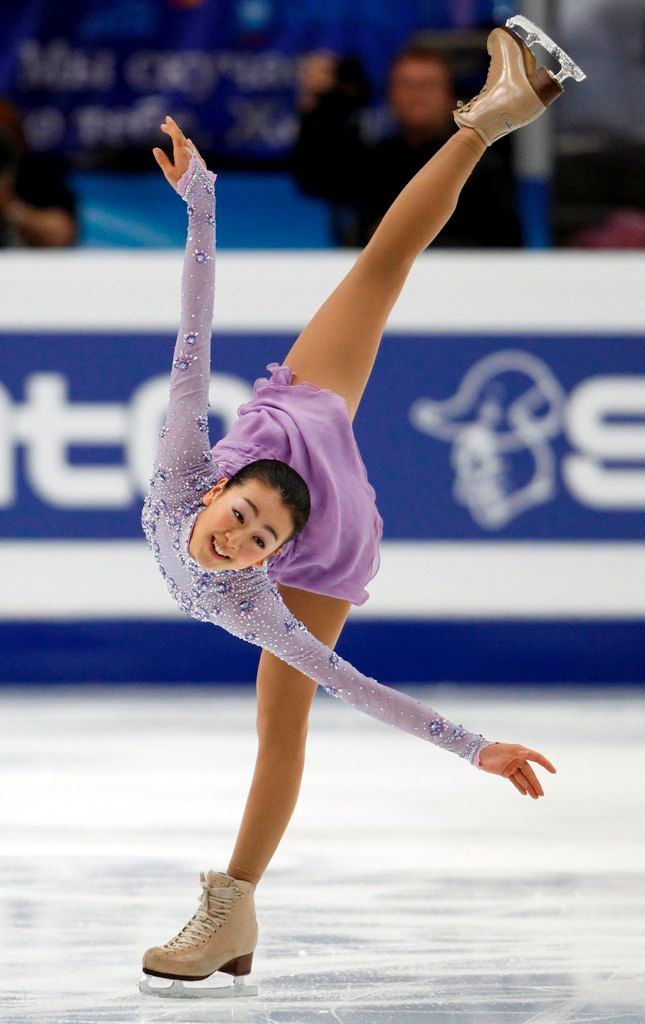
(184, 446)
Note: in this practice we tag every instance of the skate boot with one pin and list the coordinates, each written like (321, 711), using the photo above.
(221, 936)
(516, 90)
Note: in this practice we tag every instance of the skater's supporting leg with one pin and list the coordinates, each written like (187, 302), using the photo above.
(284, 698)
(337, 348)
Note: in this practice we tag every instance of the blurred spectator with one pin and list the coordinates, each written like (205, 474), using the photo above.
(600, 164)
(329, 152)
(421, 94)
(623, 229)
(36, 207)
(361, 181)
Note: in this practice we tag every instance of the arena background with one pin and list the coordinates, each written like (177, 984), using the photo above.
(502, 430)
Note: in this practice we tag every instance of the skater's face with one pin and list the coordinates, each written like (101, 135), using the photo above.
(421, 93)
(248, 522)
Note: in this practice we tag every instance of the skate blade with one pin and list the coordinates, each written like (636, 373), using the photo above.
(190, 990)
(534, 34)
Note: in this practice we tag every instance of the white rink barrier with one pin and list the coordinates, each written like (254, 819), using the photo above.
(565, 568)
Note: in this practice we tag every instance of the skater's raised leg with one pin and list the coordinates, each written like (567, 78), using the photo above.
(338, 347)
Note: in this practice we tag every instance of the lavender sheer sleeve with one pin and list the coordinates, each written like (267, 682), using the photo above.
(250, 607)
(183, 446)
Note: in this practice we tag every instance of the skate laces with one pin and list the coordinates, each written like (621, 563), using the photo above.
(214, 907)
(464, 108)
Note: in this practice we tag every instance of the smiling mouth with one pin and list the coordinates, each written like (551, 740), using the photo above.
(221, 558)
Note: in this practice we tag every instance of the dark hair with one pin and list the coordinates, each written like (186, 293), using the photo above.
(292, 488)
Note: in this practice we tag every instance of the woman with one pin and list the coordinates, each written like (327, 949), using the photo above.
(274, 533)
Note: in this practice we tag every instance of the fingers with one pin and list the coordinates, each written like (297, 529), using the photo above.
(163, 162)
(533, 780)
(180, 142)
(517, 785)
(534, 755)
(174, 131)
(527, 778)
(521, 783)
(511, 761)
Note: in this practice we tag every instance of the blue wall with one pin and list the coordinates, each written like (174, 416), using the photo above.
(582, 653)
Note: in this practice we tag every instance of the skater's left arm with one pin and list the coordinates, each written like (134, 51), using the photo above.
(247, 605)
(251, 608)
(254, 610)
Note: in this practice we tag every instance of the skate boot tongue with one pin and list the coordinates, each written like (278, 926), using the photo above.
(219, 878)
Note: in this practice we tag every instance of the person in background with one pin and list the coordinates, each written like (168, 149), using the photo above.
(421, 95)
(36, 206)
(329, 152)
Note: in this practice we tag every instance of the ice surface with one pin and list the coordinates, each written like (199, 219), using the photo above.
(409, 887)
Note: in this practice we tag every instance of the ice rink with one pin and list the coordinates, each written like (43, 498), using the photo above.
(409, 886)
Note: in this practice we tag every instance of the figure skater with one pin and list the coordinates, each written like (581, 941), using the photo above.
(273, 533)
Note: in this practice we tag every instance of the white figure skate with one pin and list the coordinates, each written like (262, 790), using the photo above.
(220, 937)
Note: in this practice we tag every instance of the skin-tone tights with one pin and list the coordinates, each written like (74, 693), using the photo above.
(337, 350)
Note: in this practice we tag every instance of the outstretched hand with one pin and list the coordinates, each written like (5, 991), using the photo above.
(182, 150)
(511, 761)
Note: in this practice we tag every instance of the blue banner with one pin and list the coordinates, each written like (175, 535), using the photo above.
(464, 438)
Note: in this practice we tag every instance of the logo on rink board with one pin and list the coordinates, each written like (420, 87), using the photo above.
(500, 423)
(507, 410)
(543, 438)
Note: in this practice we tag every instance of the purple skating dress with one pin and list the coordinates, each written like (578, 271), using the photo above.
(309, 428)
(247, 603)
